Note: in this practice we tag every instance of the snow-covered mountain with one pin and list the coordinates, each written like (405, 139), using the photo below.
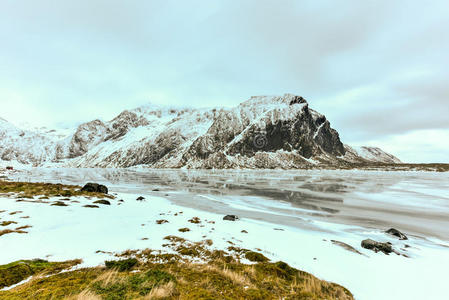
(262, 132)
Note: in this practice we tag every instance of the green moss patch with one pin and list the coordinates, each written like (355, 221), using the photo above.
(121, 265)
(146, 273)
(17, 271)
(255, 257)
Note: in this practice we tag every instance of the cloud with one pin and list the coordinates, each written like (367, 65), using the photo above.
(375, 68)
(419, 146)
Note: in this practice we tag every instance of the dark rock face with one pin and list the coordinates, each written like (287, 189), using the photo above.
(262, 132)
(230, 218)
(291, 128)
(396, 233)
(87, 135)
(297, 100)
(121, 124)
(301, 134)
(95, 188)
(377, 246)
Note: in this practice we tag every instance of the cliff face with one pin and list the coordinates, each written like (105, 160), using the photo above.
(263, 132)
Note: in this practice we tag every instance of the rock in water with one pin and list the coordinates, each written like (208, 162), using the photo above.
(230, 218)
(95, 188)
(377, 246)
(396, 233)
(140, 198)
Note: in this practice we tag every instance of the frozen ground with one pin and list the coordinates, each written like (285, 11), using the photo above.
(290, 215)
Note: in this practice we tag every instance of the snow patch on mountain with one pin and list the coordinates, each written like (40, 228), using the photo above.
(291, 135)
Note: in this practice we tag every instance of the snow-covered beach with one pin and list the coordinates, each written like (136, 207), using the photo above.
(299, 218)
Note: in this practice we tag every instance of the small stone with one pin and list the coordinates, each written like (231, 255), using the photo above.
(230, 218)
(195, 220)
(105, 202)
(377, 246)
(91, 206)
(396, 233)
(59, 203)
(140, 198)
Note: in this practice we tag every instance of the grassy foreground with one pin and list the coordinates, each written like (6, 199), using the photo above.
(189, 271)
(45, 190)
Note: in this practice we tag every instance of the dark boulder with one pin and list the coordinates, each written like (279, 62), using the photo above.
(396, 233)
(377, 246)
(94, 188)
(230, 218)
(140, 198)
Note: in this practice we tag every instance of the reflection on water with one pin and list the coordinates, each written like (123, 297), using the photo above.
(418, 201)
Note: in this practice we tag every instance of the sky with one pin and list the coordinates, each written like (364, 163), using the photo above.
(378, 70)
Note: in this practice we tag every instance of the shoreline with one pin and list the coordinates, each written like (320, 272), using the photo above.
(76, 232)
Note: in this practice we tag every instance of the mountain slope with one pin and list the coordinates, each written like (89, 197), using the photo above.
(262, 132)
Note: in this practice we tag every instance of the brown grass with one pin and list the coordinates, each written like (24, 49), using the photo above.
(6, 223)
(158, 275)
(8, 231)
(239, 278)
(164, 291)
(85, 295)
(29, 190)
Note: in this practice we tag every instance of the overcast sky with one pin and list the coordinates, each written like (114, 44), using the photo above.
(379, 70)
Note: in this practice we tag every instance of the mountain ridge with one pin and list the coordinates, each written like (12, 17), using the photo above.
(262, 132)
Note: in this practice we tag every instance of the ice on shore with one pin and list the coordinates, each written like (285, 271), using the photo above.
(61, 233)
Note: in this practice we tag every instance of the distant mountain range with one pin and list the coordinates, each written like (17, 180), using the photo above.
(262, 132)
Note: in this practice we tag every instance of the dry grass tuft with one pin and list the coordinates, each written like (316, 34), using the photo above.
(235, 277)
(200, 274)
(28, 190)
(108, 277)
(162, 291)
(7, 231)
(85, 295)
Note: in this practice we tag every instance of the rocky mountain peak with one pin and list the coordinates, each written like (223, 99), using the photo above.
(262, 132)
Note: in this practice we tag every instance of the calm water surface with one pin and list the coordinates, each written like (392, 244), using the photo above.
(415, 202)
